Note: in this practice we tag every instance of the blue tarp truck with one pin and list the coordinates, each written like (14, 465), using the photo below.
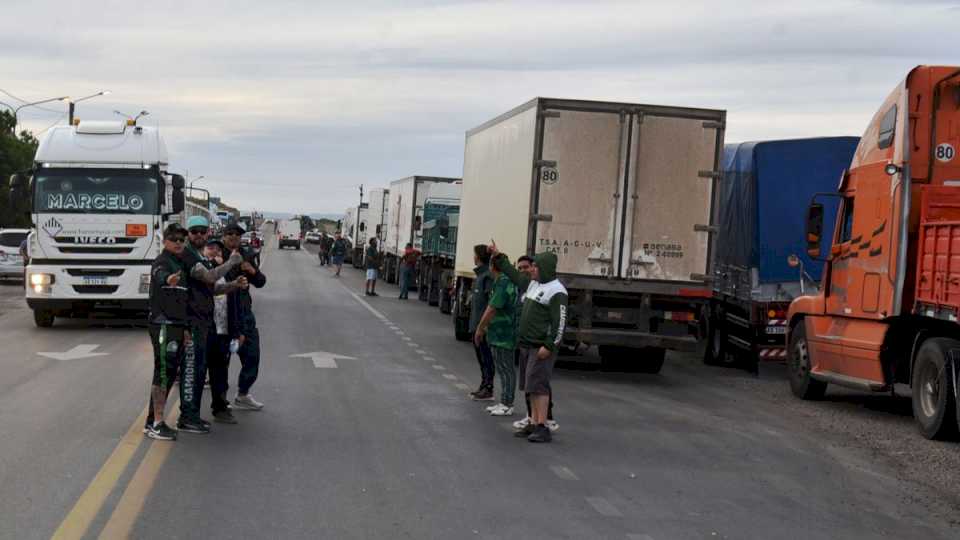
(761, 199)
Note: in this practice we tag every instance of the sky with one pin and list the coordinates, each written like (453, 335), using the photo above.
(290, 105)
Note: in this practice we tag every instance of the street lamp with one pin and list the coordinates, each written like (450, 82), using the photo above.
(16, 112)
(197, 179)
(74, 102)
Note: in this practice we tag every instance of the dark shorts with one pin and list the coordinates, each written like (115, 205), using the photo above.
(166, 355)
(535, 374)
(337, 260)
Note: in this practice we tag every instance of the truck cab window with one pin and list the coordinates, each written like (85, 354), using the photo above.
(846, 228)
(887, 128)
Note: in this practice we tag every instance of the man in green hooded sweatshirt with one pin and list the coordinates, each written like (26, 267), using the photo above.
(542, 321)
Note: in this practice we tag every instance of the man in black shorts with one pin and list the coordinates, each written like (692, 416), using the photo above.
(542, 322)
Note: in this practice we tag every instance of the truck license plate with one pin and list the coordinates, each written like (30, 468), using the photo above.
(94, 280)
(776, 329)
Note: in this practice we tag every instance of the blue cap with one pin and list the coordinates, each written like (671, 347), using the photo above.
(197, 221)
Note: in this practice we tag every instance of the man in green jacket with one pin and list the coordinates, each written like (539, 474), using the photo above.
(543, 318)
(498, 327)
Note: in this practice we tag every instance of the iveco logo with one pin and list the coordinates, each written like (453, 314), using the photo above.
(95, 240)
(52, 227)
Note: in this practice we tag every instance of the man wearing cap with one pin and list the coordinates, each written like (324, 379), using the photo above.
(202, 279)
(222, 342)
(249, 335)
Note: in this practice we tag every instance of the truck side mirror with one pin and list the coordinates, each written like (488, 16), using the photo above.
(19, 185)
(417, 223)
(814, 229)
(178, 200)
(363, 226)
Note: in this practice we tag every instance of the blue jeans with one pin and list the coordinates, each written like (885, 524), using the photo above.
(405, 272)
(485, 359)
(249, 354)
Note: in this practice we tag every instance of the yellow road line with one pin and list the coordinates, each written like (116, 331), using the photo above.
(75, 525)
(131, 503)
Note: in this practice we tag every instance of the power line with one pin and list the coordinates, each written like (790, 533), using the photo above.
(21, 100)
(44, 130)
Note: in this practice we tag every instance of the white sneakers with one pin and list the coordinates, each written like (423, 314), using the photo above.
(500, 410)
(247, 403)
(552, 425)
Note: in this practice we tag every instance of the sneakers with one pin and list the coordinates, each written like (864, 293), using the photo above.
(552, 425)
(246, 403)
(520, 424)
(483, 394)
(541, 434)
(193, 426)
(492, 407)
(161, 432)
(525, 431)
(224, 417)
(501, 410)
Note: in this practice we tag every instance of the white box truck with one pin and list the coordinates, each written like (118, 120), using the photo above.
(379, 213)
(355, 230)
(288, 233)
(405, 207)
(622, 193)
(101, 196)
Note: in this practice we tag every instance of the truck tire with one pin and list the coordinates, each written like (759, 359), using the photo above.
(798, 366)
(446, 302)
(932, 383)
(423, 279)
(651, 359)
(461, 325)
(297, 246)
(43, 318)
(716, 349)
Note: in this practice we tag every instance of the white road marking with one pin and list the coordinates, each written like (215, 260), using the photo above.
(364, 303)
(563, 472)
(450, 376)
(603, 507)
(429, 359)
(639, 537)
(80, 351)
(405, 338)
(421, 351)
(412, 344)
(323, 359)
(438, 367)
(462, 386)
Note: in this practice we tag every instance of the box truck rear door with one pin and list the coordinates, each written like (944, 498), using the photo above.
(580, 200)
(670, 193)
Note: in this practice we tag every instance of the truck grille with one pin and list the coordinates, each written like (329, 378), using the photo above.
(96, 289)
(80, 272)
(113, 250)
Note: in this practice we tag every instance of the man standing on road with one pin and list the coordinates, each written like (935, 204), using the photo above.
(479, 296)
(338, 251)
(167, 323)
(408, 263)
(372, 257)
(542, 322)
(201, 280)
(224, 334)
(325, 244)
(498, 327)
(249, 339)
(525, 266)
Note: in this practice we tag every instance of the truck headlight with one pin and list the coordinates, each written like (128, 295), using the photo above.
(144, 283)
(41, 279)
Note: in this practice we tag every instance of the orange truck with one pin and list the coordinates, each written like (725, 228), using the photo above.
(887, 311)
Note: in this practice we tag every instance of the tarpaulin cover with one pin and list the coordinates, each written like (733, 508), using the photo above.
(763, 199)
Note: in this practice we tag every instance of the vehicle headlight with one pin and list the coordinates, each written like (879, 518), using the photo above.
(41, 279)
(144, 283)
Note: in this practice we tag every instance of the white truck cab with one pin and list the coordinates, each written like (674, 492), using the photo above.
(101, 196)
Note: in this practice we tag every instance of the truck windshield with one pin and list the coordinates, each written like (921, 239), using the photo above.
(96, 191)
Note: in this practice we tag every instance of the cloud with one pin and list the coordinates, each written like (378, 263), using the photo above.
(289, 105)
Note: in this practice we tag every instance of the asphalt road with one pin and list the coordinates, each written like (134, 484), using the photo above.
(386, 445)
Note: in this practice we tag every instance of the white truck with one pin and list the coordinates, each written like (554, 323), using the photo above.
(101, 196)
(355, 229)
(379, 212)
(288, 233)
(406, 200)
(623, 194)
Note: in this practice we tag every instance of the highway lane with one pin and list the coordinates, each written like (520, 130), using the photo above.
(385, 445)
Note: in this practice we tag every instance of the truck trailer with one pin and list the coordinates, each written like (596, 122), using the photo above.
(439, 248)
(405, 221)
(378, 214)
(356, 228)
(888, 307)
(101, 196)
(623, 194)
(758, 229)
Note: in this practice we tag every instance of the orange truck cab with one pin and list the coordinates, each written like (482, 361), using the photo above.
(887, 311)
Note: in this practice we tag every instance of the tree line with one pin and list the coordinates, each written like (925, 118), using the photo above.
(16, 155)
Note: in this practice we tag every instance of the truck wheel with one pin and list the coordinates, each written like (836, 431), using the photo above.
(461, 325)
(297, 246)
(446, 303)
(43, 318)
(799, 364)
(932, 384)
(423, 277)
(651, 359)
(716, 349)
